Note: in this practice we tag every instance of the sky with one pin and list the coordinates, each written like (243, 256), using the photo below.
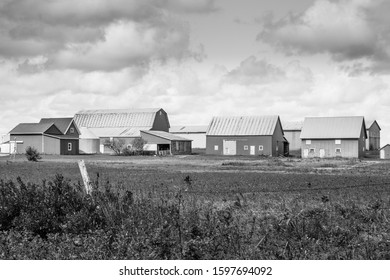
(195, 58)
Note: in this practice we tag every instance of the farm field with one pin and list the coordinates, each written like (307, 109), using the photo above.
(196, 207)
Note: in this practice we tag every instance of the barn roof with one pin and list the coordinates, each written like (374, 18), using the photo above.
(31, 128)
(292, 125)
(86, 133)
(333, 127)
(61, 123)
(116, 118)
(370, 123)
(166, 135)
(116, 131)
(188, 129)
(243, 125)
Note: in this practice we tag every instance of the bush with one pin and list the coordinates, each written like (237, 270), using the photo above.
(32, 154)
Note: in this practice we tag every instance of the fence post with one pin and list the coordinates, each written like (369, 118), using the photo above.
(84, 174)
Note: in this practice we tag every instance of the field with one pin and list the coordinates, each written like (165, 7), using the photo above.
(195, 207)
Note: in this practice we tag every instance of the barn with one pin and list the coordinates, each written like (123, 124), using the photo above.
(384, 152)
(47, 138)
(373, 136)
(122, 125)
(246, 135)
(292, 132)
(328, 137)
(197, 133)
(162, 142)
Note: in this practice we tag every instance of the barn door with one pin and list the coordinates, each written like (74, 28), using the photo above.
(322, 153)
(305, 153)
(252, 150)
(382, 154)
(229, 147)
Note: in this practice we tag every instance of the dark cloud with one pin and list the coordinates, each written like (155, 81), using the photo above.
(346, 30)
(86, 34)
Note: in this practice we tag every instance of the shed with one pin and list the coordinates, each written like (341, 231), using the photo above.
(385, 152)
(197, 133)
(45, 137)
(166, 143)
(245, 135)
(373, 136)
(123, 124)
(292, 132)
(327, 137)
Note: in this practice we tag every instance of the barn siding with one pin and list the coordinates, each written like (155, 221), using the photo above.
(265, 141)
(294, 138)
(161, 122)
(385, 152)
(75, 132)
(349, 147)
(34, 141)
(52, 146)
(198, 139)
(64, 147)
(374, 136)
(277, 141)
(89, 146)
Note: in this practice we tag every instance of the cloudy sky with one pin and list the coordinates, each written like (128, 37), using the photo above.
(195, 58)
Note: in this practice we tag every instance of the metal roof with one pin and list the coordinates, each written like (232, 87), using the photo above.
(385, 146)
(188, 129)
(61, 123)
(86, 133)
(370, 123)
(292, 126)
(116, 118)
(243, 125)
(333, 127)
(116, 131)
(31, 128)
(166, 135)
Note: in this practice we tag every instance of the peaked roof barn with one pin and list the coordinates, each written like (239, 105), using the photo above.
(62, 124)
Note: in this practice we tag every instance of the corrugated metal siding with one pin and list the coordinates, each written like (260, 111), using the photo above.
(332, 128)
(244, 125)
(116, 131)
(116, 118)
(349, 148)
(188, 129)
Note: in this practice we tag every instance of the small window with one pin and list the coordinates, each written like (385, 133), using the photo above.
(308, 142)
(338, 151)
(69, 146)
(312, 151)
(216, 148)
(71, 130)
(246, 148)
(337, 142)
(261, 148)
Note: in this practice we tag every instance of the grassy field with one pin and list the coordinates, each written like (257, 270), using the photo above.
(197, 207)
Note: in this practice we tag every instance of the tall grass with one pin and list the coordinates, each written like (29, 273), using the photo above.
(57, 220)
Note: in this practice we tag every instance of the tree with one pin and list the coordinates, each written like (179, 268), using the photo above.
(32, 154)
(117, 145)
(138, 144)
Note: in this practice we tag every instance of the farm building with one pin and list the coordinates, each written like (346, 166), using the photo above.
(246, 135)
(373, 136)
(117, 125)
(163, 142)
(47, 138)
(292, 132)
(5, 145)
(385, 152)
(328, 137)
(89, 143)
(197, 133)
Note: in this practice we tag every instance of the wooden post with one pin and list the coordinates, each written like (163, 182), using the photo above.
(84, 174)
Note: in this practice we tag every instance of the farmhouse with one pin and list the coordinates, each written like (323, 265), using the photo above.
(385, 152)
(197, 133)
(246, 135)
(105, 126)
(46, 137)
(373, 136)
(164, 142)
(327, 137)
(292, 132)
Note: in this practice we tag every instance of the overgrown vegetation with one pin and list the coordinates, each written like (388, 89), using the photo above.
(32, 154)
(57, 220)
(119, 146)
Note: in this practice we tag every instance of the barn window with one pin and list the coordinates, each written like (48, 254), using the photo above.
(246, 148)
(337, 142)
(338, 150)
(216, 148)
(69, 146)
(71, 130)
(308, 142)
(261, 148)
(177, 146)
(312, 151)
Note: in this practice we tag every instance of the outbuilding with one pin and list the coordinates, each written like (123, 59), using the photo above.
(328, 137)
(385, 152)
(163, 142)
(373, 142)
(292, 132)
(246, 135)
(197, 133)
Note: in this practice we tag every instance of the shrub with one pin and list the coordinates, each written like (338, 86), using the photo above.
(32, 154)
